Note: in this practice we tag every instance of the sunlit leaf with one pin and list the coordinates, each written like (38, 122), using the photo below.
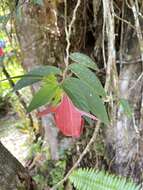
(84, 60)
(43, 96)
(51, 78)
(36, 75)
(57, 96)
(88, 77)
(85, 98)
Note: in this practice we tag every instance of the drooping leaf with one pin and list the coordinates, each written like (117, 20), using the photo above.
(75, 93)
(85, 98)
(43, 96)
(84, 60)
(36, 75)
(97, 107)
(78, 99)
(88, 77)
(126, 107)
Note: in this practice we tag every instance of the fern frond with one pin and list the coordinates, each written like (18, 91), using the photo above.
(89, 179)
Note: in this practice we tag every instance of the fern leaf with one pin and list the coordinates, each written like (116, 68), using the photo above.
(89, 179)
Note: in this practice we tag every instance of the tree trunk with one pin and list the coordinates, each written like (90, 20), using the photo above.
(128, 131)
(125, 136)
(12, 174)
(41, 44)
(33, 31)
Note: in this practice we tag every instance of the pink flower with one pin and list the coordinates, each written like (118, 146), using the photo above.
(68, 118)
(1, 52)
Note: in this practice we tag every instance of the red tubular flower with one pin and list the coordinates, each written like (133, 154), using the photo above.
(68, 118)
(1, 52)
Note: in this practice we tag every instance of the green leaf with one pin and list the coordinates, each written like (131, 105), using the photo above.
(88, 77)
(90, 179)
(84, 60)
(57, 96)
(126, 107)
(36, 75)
(43, 96)
(85, 98)
(76, 96)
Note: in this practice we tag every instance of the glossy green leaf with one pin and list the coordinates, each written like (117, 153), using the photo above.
(85, 98)
(88, 77)
(84, 60)
(126, 107)
(36, 75)
(76, 96)
(43, 96)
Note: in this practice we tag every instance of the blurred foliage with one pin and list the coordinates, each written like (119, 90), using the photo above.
(9, 101)
(50, 173)
(43, 170)
(5, 105)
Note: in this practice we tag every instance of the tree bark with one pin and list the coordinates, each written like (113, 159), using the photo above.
(12, 174)
(126, 132)
(41, 44)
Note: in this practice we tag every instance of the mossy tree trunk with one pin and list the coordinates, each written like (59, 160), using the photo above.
(41, 44)
(127, 142)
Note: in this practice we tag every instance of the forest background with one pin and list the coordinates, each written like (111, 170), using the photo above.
(92, 52)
